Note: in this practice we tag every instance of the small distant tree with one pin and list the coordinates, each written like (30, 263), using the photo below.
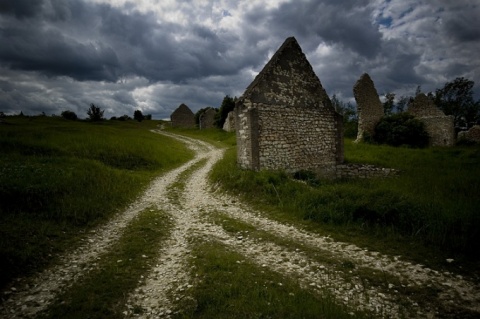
(124, 118)
(389, 103)
(456, 98)
(148, 117)
(138, 115)
(69, 115)
(2, 115)
(350, 121)
(94, 113)
(228, 104)
(402, 103)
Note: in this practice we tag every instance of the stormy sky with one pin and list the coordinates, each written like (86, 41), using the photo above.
(153, 55)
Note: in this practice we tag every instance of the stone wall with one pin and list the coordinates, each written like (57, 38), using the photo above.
(183, 117)
(285, 120)
(229, 125)
(472, 135)
(439, 127)
(207, 119)
(369, 108)
(364, 171)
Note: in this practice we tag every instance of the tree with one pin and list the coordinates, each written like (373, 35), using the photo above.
(69, 115)
(403, 103)
(456, 98)
(228, 104)
(95, 113)
(138, 115)
(388, 104)
(350, 121)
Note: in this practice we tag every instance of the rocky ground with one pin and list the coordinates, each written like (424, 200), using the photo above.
(192, 203)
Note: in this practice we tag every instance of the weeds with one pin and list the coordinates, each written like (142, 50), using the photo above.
(434, 201)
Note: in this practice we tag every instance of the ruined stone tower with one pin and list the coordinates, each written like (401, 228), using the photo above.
(285, 120)
(439, 127)
(369, 108)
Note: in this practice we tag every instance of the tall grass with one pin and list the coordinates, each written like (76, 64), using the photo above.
(434, 201)
(59, 178)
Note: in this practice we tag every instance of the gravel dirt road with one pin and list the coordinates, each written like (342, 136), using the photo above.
(185, 194)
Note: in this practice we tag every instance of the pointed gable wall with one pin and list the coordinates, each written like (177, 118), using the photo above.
(183, 117)
(285, 120)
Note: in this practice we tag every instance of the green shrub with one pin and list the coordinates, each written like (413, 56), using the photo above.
(401, 129)
(69, 115)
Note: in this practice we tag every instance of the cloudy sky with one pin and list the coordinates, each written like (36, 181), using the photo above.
(153, 55)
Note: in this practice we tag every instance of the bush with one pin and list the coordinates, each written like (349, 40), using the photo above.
(69, 115)
(401, 129)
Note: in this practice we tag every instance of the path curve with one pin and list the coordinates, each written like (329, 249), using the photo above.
(185, 194)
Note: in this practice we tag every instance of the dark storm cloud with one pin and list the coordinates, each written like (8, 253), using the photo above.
(464, 27)
(20, 8)
(336, 22)
(99, 42)
(66, 54)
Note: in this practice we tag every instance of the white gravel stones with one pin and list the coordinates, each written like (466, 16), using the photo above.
(168, 281)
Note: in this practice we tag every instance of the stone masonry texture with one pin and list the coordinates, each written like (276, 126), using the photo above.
(369, 107)
(472, 135)
(207, 119)
(440, 128)
(183, 117)
(229, 125)
(285, 120)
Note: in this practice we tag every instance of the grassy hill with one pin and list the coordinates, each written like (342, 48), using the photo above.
(60, 178)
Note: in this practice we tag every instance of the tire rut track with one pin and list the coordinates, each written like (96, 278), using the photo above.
(33, 295)
(190, 202)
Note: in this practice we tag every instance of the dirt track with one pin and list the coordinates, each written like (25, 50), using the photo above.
(191, 206)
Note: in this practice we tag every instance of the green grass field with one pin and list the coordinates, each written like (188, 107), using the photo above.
(431, 208)
(59, 178)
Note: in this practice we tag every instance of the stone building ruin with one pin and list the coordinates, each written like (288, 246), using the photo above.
(229, 125)
(439, 127)
(369, 108)
(183, 117)
(285, 119)
(207, 119)
(472, 135)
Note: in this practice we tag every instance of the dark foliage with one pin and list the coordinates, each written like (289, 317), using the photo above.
(138, 115)
(401, 129)
(69, 115)
(228, 104)
(95, 113)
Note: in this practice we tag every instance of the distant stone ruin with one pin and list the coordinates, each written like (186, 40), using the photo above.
(207, 119)
(285, 120)
(369, 107)
(439, 127)
(183, 117)
(229, 124)
(472, 135)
